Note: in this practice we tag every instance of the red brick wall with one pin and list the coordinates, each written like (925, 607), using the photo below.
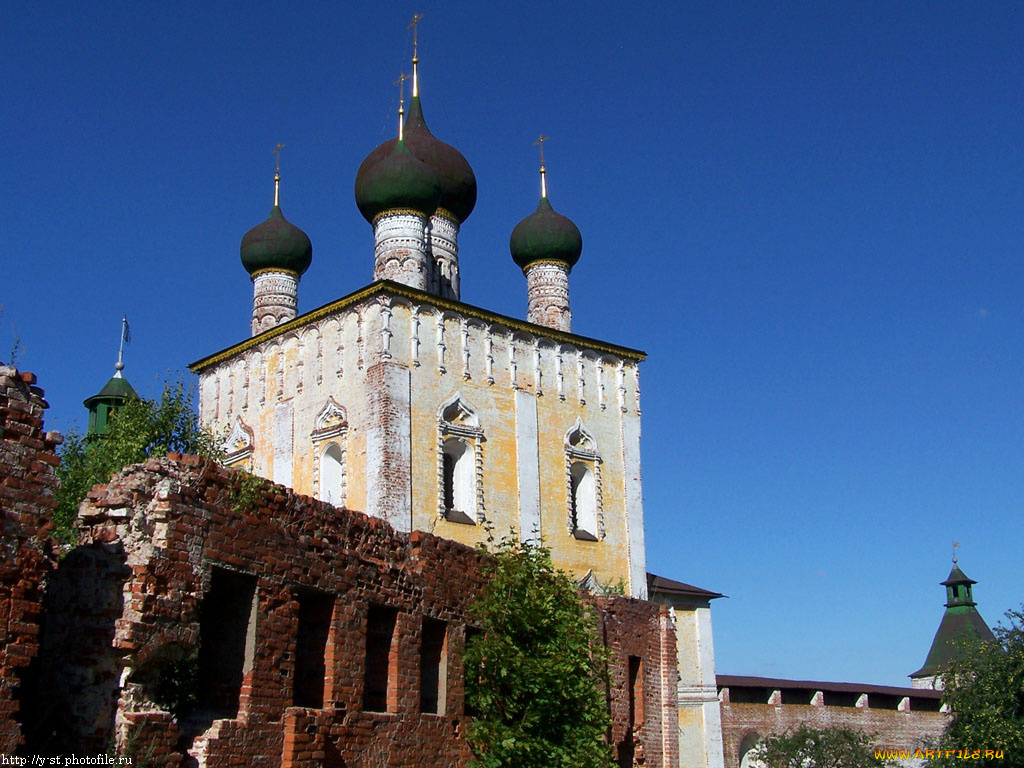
(178, 518)
(890, 728)
(27, 484)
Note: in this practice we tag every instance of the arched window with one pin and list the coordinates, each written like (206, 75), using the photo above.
(746, 751)
(332, 475)
(460, 485)
(583, 484)
(583, 501)
(330, 430)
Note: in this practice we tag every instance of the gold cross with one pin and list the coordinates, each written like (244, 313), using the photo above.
(276, 151)
(540, 143)
(400, 82)
(416, 19)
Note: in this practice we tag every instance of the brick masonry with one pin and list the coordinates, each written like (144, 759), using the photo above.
(28, 481)
(896, 718)
(158, 585)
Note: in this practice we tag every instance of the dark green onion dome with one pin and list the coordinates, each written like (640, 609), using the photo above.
(396, 180)
(545, 236)
(276, 244)
(456, 178)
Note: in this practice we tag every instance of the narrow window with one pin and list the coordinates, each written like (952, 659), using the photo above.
(433, 667)
(331, 475)
(227, 628)
(315, 610)
(381, 658)
(636, 691)
(583, 502)
(459, 475)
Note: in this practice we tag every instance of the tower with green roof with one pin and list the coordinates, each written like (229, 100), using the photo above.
(275, 253)
(114, 395)
(960, 622)
(546, 245)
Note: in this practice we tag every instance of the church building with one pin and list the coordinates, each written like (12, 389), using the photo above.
(404, 401)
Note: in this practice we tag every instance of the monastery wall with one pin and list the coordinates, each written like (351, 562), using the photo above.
(28, 481)
(373, 377)
(896, 718)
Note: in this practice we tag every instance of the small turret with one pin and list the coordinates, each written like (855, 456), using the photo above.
(546, 246)
(960, 622)
(114, 395)
(275, 253)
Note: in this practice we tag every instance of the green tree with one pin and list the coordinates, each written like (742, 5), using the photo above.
(143, 428)
(534, 668)
(984, 689)
(807, 747)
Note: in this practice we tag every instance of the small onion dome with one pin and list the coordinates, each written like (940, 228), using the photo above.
(276, 244)
(395, 179)
(456, 178)
(545, 236)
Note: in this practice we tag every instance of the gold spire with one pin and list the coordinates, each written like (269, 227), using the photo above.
(416, 19)
(276, 151)
(400, 82)
(543, 181)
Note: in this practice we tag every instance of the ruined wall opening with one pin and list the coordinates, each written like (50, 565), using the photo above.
(434, 667)
(627, 748)
(315, 612)
(381, 659)
(227, 634)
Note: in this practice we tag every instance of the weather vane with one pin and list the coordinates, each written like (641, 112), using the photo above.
(276, 151)
(400, 82)
(955, 545)
(543, 182)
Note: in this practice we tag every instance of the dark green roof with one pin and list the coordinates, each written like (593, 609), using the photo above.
(959, 623)
(276, 244)
(117, 388)
(455, 178)
(397, 181)
(545, 235)
(956, 576)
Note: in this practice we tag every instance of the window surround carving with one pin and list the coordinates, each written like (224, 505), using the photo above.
(239, 443)
(581, 449)
(330, 428)
(456, 420)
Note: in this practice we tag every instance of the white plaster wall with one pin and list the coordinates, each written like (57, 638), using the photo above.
(527, 460)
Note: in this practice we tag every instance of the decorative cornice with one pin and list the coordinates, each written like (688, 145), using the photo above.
(387, 287)
(552, 262)
(399, 212)
(444, 213)
(275, 270)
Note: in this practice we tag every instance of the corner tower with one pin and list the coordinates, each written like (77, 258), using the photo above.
(960, 621)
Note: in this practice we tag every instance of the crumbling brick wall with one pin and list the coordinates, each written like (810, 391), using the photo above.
(28, 482)
(240, 583)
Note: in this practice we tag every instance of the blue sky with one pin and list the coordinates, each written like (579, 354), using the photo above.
(809, 215)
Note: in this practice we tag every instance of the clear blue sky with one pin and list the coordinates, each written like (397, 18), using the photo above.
(809, 215)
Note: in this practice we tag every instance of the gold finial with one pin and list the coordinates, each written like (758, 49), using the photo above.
(400, 82)
(955, 545)
(276, 151)
(543, 181)
(416, 19)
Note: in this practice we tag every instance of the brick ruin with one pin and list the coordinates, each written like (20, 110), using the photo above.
(28, 481)
(313, 635)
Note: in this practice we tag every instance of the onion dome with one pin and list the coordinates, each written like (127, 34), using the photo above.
(392, 178)
(276, 244)
(545, 235)
(455, 177)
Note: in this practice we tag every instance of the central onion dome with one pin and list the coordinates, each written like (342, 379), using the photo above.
(457, 183)
(395, 179)
(276, 244)
(545, 235)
